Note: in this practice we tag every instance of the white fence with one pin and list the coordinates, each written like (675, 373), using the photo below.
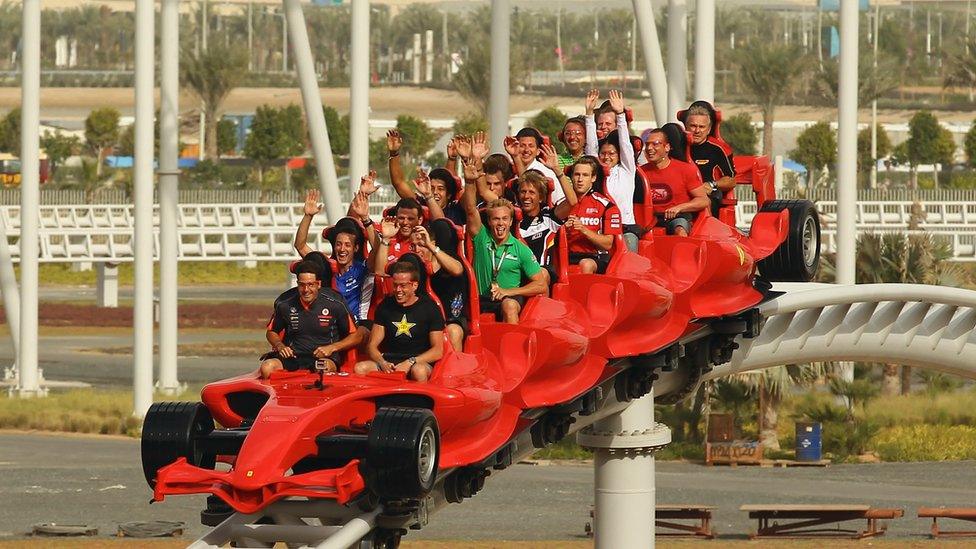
(262, 231)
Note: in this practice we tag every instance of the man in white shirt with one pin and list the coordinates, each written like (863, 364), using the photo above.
(525, 149)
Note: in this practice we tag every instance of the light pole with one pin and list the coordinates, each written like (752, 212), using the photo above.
(657, 82)
(705, 51)
(359, 92)
(498, 103)
(677, 56)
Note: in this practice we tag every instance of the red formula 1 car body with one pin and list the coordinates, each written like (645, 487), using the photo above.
(340, 435)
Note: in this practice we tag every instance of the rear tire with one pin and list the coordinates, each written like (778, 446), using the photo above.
(403, 451)
(798, 257)
(170, 431)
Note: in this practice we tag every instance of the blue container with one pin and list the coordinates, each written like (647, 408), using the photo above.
(808, 442)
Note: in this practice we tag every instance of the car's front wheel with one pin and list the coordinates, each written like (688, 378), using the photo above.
(403, 452)
(172, 430)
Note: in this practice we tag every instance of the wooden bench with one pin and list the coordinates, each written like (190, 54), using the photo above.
(807, 521)
(958, 513)
(665, 515)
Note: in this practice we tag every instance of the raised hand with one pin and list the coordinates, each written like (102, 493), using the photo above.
(617, 101)
(463, 146)
(422, 182)
(368, 184)
(360, 206)
(452, 151)
(388, 227)
(423, 237)
(312, 205)
(592, 97)
(471, 170)
(550, 158)
(511, 146)
(479, 145)
(393, 142)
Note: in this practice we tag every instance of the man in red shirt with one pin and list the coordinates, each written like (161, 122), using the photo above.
(592, 219)
(396, 235)
(677, 191)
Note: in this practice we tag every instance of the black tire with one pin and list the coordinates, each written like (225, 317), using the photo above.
(798, 257)
(170, 431)
(403, 451)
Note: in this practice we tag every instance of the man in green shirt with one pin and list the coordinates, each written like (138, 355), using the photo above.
(500, 260)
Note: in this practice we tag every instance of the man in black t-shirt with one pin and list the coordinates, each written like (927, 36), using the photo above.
(310, 328)
(408, 329)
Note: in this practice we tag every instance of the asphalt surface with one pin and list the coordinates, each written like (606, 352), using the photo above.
(98, 481)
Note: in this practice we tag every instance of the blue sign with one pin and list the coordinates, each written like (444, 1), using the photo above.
(834, 5)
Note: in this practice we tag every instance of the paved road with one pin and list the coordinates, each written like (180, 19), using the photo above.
(247, 293)
(98, 481)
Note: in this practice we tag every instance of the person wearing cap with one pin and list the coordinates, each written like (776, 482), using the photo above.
(440, 196)
(347, 237)
(525, 149)
(677, 191)
(709, 152)
(310, 328)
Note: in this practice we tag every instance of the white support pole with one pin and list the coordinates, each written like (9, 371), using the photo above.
(359, 92)
(428, 56)
(30, 103)
(847, 149)
(874, 101)
(417, 58)
(501, 20)
(107, 285)
(677, 56)
(250, 36)
(312, 100)
(623, 465)
(11, 294)
(169, 135)
(650, 46)
(284, 43)
(142, 314)
(705, 51)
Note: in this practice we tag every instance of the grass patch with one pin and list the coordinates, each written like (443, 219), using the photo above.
(926, 443)
(190, 273)
(214, 348)
(564, 449)
(953, 408)
(92, 411)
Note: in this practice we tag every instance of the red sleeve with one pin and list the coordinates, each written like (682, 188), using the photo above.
(693, 178)
(611, 220)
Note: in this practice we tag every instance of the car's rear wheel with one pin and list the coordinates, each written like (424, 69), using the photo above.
(798, 257)
(403, 451)
(170, 431)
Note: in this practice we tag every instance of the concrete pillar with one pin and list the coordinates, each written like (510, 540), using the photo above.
(312, 100)
(428, 56)
(657, 81)
(169, 179)
(143, 242)
(10, 292)
(417, 58)
(501, 21)
(30, 103)
(677, 57)
(623, 465)
(359, 92)
(107, 285)
(705, 51)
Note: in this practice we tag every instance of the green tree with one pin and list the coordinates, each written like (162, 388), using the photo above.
(969, 145)
(961, 69)
(864, 159)
(740, 134)
(418, 138)
(226, 136)
(58, 147)
(549, 122)
(275, 134)
(101, 133)
(928, 143)
(816, 150)
(469, 123)
(212, 74)
(770, 72)
(338, 131)
(10, 132)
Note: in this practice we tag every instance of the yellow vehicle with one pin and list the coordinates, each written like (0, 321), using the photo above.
(10, 169)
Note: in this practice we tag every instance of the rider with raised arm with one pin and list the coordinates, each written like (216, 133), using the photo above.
(676, 187)
(616, 153)
(525, 149)
(444, 187)
(500, 260)
(407, 334)
(309, 329)
(592, 222)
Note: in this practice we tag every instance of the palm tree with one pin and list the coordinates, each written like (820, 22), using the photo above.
(772, 384)
(770, 72)
(212, 74)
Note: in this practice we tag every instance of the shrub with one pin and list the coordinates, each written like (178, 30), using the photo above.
(926, 443)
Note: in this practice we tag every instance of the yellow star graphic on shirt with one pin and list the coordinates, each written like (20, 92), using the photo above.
(403, 327)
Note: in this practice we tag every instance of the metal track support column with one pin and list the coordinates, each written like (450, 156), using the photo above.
(501, 22)
(142, 314)
(657, 82)
(623, 465)
(677, 56)
(312, 101)
(30, 104)
(169, 180)
(11, 297)
(359, 92)
(705, 51)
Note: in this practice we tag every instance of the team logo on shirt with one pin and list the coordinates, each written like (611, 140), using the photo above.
(404, 326)
(701, 162)
(324, 317)
(661, 193)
